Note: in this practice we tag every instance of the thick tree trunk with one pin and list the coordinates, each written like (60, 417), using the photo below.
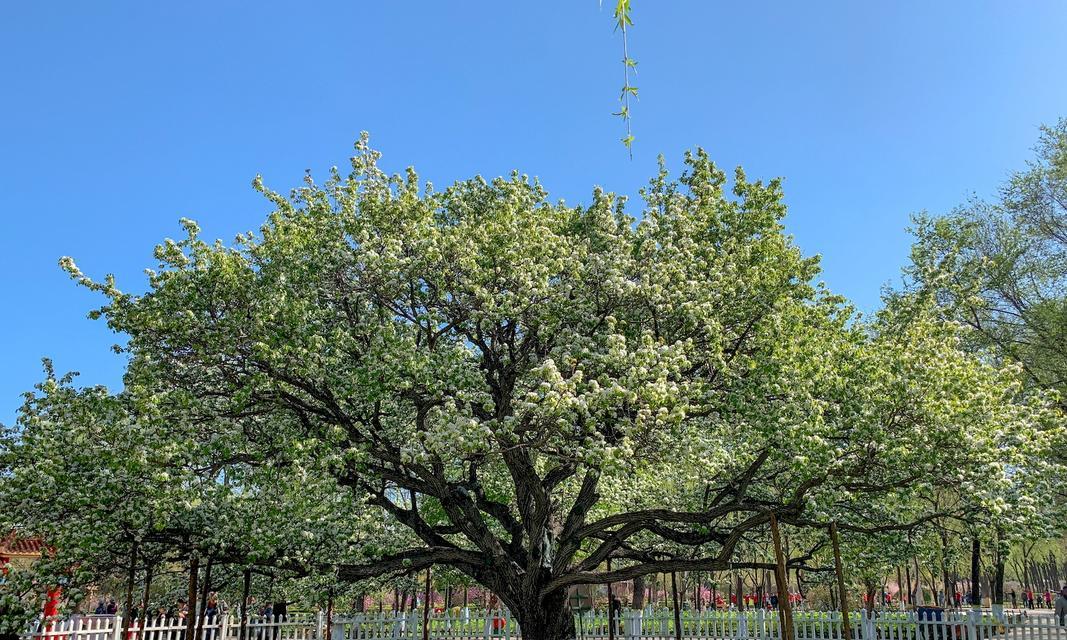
(872, 595)
(637, 602)
(551, 619)
(976, 570)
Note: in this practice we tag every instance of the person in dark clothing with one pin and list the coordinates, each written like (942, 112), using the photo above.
(1061, 606)
(616, 613)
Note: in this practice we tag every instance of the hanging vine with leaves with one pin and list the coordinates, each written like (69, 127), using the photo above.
(622, 21)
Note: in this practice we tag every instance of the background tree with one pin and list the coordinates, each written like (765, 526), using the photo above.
(1001, 267)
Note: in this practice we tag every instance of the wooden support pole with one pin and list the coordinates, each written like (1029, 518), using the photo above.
(127, 614)
(246, 591)
(781, 577)
(426, 608)
(842, 593)
(147, 597)
(677, 612)
(740, 593)
(328, 634)
(202, 613)
(194, 576)
(611, 607)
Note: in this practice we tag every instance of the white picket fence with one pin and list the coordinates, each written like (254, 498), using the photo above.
(109, 627)
(630, 625)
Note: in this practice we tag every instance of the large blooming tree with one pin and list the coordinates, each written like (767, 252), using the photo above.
(530, 389)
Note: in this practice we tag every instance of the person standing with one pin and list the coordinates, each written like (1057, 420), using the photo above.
(615, 613)
(1061, 606)
(1013, 599)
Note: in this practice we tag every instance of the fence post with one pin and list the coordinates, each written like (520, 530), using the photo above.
(224, 626)
(972, 624)
(636, 624)
(116, 630)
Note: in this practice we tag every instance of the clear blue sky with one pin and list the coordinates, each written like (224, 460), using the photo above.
(117, 118)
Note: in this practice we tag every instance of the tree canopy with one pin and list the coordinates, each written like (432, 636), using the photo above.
(521, 390)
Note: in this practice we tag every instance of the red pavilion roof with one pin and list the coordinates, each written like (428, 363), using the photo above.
(12, 545)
